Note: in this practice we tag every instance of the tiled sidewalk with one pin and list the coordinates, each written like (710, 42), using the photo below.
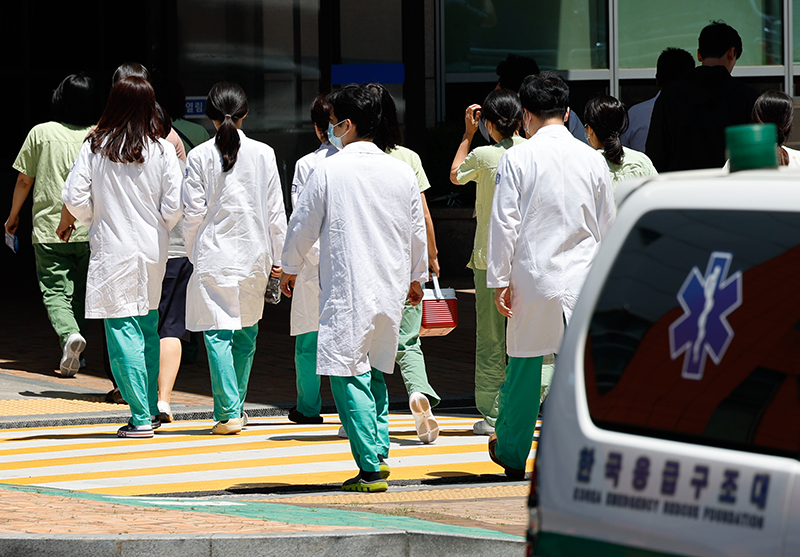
(486, 511)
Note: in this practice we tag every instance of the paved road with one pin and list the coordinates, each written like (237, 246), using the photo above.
(270, 455)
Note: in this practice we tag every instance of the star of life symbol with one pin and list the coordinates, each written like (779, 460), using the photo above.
(703, 329)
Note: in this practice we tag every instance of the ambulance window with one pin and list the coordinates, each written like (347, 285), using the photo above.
(696, 335)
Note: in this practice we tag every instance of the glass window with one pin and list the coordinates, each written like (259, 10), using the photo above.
(796, 30)
(696, 335)
(647, 28)
(558, 34)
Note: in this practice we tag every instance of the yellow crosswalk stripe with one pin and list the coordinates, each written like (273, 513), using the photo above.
(270, 452)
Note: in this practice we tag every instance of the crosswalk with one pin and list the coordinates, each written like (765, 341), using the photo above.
(271, 452)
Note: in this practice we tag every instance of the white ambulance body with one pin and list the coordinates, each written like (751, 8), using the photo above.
(673, 422)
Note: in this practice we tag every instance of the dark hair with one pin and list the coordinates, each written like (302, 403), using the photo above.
(776, 107)
(545, 95)
(608, 118)
(130, 69)
(502, 108)
(128, 120)
(74, 100)
(717, 38)
(359, 104)
(171, 96)
(321, 112)
(227, 102)
(673, 63)
(389, 135)
(512, 71)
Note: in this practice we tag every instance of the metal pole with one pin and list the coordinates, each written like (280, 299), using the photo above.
(613, 47)
(788, 48)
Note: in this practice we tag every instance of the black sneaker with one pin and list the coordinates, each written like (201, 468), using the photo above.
(135, 431)
(511, 473)
(300, 418)
(155, 422)
(368, 482)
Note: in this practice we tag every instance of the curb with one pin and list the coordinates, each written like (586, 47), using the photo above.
(375, 543)
(196, 413)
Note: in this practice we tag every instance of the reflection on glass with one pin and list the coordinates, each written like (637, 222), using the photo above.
(647, 28)
(559, 34)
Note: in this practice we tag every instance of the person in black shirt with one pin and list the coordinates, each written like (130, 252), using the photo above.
(687, 129)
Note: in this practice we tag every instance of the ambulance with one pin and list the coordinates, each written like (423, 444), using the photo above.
(673, 422)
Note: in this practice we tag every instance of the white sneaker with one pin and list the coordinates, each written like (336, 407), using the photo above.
(71, 359)
(244, 418)
(426, 425)
(164, 411)
(482, 428)
(232, 426)
(342, 432)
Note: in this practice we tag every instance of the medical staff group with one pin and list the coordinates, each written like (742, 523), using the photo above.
(353, 257)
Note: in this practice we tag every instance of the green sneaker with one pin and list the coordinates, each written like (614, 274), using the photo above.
(360, 484)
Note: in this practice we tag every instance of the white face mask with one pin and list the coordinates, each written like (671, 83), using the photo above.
(335, 140)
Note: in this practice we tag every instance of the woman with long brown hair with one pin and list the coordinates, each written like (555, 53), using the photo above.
(125, 187)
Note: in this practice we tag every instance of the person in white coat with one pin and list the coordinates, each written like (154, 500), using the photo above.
(234, 227)
(125, 187)
(364, 207)
(552, 206)
(304, 317)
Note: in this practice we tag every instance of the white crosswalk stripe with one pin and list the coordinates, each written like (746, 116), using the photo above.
(184, 457)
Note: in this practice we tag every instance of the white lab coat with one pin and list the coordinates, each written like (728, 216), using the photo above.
(234, 226)
(364, 207)
(129, 209)
(304, 317)
(552, 206)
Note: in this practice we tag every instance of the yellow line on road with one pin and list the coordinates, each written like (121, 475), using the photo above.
(228, 465)
(304, 478)
(214, 448)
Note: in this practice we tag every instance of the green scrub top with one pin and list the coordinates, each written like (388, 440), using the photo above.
(412, 159)
(634, 163)
(47, 155)
(481, 166)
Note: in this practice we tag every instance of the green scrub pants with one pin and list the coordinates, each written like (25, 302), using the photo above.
(230, 359)
(363, 405)
(61, 270)
(134, 350)
(409, 355)
(409, 358)
(309, 402)
(490, 349)
(518, 410)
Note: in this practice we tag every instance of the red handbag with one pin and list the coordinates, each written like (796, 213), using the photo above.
(439, 310)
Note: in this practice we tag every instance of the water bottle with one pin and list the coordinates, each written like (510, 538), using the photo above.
(273, 293)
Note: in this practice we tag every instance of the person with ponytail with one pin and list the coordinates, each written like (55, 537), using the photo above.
(776, 107)
(125, 188)
(234, 227)
(605, 120)
(502, 114)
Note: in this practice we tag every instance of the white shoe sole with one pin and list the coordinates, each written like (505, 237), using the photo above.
(426, 425)
(71, 360)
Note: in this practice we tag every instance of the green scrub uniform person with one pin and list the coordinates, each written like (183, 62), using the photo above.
(43, 163)
(480, 165)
